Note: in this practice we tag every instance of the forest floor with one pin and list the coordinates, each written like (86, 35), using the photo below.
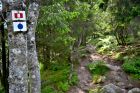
(115, 76)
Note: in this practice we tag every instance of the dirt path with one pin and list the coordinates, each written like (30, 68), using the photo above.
(84, 76)
(115, 76)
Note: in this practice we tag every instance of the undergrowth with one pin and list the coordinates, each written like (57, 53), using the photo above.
(98, 70)
(55, 79)
(132, 67)
(129, 53)
(1, 89)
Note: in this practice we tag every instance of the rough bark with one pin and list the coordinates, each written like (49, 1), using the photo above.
(18, 66)
(33, 65)
(22, 54)
(18, 70)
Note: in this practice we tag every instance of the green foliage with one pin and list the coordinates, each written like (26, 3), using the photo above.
(56, 79)
(53, 32)
(82, 51)
(98, 68)
(107, 44)
(64, 23)
(118, 56)
(1, 90)
(48, 89)
(51, 76)
(64, 86)
(132, 66)
(74, 79)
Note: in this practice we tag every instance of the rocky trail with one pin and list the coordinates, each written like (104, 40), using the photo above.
(116, 80)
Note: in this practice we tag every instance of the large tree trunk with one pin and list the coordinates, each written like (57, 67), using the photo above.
(23, 56)
(18, 67)
(18, 70)
(33, 64)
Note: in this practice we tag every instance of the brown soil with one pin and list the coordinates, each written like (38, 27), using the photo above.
(116, 77)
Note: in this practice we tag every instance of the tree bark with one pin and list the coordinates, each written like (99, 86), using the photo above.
(22, 54)
(4, 61)
(33, 64)
(18, 68)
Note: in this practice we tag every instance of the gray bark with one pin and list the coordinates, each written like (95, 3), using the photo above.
(23, 56)
(33, 64)
(18, 70)
(18, 67)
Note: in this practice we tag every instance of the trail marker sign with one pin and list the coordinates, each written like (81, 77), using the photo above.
(19, 26)
(18, 15)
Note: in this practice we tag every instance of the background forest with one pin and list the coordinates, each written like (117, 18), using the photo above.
(67, 27)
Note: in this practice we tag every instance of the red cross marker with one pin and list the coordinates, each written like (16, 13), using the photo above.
(18, 15)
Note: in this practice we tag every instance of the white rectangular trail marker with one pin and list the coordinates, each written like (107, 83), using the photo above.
(19, 26)
(18, 15)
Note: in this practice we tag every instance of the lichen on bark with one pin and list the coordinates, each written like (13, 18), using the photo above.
(33, 65)
(18, 70)
(24, 72)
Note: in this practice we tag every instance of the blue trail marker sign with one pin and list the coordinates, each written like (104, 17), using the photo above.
(19, 26)
(19, 20)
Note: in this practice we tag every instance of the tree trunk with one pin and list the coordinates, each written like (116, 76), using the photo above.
(23, 56)
(4, 61)
(18, 70)
(18, 67)
(33, 64)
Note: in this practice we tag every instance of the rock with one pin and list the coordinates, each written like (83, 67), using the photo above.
(113, 68)
(130, 86)
(117, 78)
(134, 90)
(75, 90)
(120, 84)
(111, 88)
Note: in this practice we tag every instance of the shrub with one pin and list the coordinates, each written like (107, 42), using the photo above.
(74, 79)
(107, 44)
(48, 89)
(64, 86)
(132, 67)
(98, 68)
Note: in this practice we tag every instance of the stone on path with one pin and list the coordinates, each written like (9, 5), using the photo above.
(113, 68)
(134, 90)
(75, 90)
(111, 88)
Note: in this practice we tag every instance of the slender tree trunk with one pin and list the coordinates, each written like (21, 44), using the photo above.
(4, 62)
(33, 64)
